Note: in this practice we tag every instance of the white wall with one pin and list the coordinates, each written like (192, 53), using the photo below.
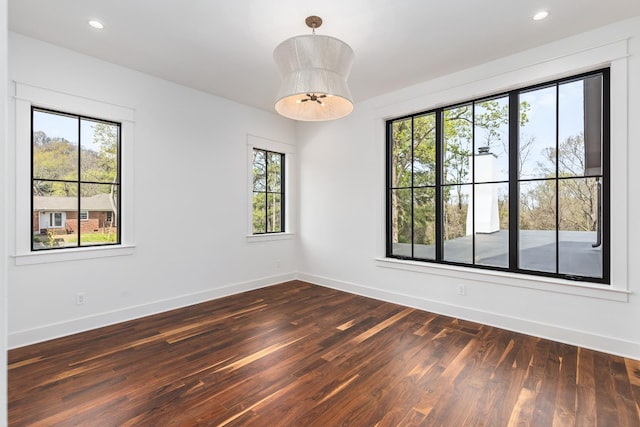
(3, 224)
(191, 205)
(190, 190)
(342, 204)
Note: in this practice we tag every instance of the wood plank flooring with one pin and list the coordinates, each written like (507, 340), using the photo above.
(297, 354)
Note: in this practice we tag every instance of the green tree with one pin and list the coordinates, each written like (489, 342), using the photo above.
(577, 195)
(103, 166)
(259, 216)
(106, 137)
(413, 164)
(54, 159)
(267, 196)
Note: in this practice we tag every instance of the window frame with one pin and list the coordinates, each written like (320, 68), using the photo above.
(28, 95)
(513, 182)
(83, 214)
(289, 188)
(266, 192)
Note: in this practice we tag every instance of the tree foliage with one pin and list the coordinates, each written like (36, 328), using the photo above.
(577, 194)
(413, 164)
(56, 164)
(469, 126)
(100, 166)
(54, 159)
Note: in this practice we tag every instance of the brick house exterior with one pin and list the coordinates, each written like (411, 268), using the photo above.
(59, 215)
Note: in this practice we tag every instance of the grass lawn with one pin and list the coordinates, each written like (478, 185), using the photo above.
(72, 239)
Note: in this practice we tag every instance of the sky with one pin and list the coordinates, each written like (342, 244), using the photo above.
(59, 126)
(539, 128)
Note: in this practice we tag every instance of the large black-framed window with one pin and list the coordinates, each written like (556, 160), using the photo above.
(268, 211)
(517, 181)
(75, 181)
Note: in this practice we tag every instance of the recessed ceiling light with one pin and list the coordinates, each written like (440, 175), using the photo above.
(96, 24)
(540, 15)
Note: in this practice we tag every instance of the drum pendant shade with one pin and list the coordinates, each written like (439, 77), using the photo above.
(314, 70)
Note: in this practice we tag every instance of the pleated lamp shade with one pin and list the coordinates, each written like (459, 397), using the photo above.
(314, 71)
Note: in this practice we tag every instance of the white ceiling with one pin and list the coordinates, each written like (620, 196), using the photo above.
(225, 47)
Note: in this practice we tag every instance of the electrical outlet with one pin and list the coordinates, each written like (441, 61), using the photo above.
(277, 263)
(80, 298)
(462, 289)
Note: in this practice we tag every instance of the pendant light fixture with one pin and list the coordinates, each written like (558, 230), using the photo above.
(314, 71)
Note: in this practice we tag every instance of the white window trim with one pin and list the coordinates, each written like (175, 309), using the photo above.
(586, 289)
(289, 179)
(613, 55)
(27, 96)
(84, 213)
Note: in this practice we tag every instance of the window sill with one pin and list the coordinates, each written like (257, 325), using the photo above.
(43, 257)
(607, 292)
(254, 238)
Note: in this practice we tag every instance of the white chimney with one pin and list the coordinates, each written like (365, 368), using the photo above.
(485, 204)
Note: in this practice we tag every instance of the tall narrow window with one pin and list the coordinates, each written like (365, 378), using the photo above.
(268, 192)
(515, 182)
(75, 172)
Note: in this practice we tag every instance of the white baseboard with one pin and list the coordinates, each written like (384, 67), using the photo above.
(57, 330)
(552, 332)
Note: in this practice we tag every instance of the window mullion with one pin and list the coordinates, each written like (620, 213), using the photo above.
(79, 190)
(472, 160)
(557, 180)
(514, 191)
(439, 180)
(413, 199)
(282, 195)
(32, 187)
(266, 191)
(389, 145)
(605, 174)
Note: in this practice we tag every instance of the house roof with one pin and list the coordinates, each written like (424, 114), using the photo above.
(226, 47)
(98, 202)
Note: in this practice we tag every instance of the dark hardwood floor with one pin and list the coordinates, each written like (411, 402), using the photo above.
(297, 354)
